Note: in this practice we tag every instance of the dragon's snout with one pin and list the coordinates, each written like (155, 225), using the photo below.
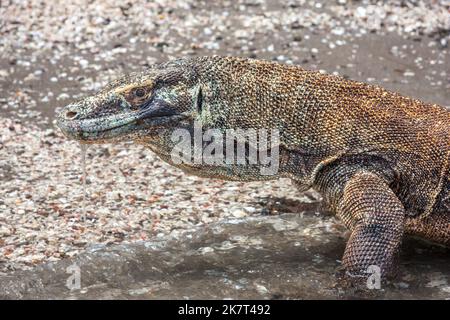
(69, 113)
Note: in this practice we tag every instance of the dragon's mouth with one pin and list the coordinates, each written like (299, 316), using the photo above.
(113, 127)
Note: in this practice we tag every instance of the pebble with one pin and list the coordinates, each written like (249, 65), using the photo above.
(250, 209)
(401, 285)
(206, 250)
(238, 213)
(261, 289)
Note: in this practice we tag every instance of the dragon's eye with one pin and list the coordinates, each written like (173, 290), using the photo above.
(139, 92)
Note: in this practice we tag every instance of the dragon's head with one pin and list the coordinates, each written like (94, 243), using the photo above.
(135, 107)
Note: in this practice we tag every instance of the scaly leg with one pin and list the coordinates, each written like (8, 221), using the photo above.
(376, 217)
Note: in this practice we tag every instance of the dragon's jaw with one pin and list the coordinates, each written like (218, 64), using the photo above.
(89, 121)
(97, 129)
(114, 128)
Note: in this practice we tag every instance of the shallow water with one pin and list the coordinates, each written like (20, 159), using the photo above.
(283, 257)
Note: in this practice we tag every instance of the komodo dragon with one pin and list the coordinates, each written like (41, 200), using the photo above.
(380, 160)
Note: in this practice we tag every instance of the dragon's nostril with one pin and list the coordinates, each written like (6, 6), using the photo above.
(71, 114)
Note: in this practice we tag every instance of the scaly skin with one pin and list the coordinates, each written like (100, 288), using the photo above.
(380, 160)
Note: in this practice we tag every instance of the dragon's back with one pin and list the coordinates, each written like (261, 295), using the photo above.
(325, 115)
